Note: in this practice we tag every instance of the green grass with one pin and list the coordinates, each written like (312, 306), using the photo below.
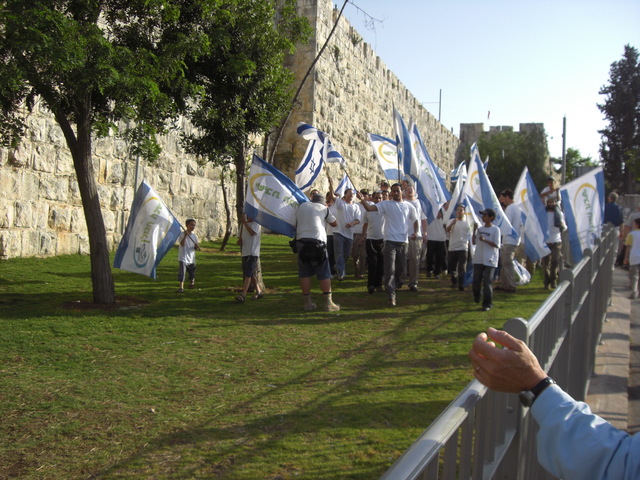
(198, 386)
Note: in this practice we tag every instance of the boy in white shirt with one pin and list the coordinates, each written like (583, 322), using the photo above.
(187, 246)
(250, 245)
(632, 257)
(485, 259)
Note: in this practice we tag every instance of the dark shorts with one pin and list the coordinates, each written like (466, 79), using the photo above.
(315, 261)
(189, 268)
(249, 265)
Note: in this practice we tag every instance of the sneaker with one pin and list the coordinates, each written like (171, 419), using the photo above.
(486, 308)
(371, 289)
(392, 302)
(240, 299)
(180, 290)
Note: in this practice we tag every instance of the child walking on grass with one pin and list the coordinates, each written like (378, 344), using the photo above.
(187, 246)
(250, 245)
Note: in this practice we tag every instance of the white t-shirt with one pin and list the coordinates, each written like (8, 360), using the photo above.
(555, 235)
(310, 219)
(421, 216)
(397, 216)
(187, 253)
(347, 213)
(486, 254)
(436, 231)
(633, 241)
(358, 227)
(251, 243)
(514, 215)
(328, 227)
(375, 226)
(459, 235)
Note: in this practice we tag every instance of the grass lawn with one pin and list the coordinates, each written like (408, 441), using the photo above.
(195, 385)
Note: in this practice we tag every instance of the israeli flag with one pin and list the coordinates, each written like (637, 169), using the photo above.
(480, 193)
(311, 165)
(151, 232)
(583, 204)
(344, 185)
(386, 152)
(457, 173)
(272, 198)
(535, 229)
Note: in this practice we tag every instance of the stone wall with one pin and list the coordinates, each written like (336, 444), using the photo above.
(40, 208)
(352, 93)
(349, 93)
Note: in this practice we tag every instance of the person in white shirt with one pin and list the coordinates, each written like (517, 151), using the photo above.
(311, 238)
(459, 232)
(485, 259)
(507, 280)
(348, 215)
(250, 249)
(397, 214)
(372, 232)
(358, 247)
(414, 251)
(436, 247)
(551, 263)
(632, 257)
(187, 246)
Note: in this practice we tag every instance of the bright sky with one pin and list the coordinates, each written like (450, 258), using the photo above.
(524, 61)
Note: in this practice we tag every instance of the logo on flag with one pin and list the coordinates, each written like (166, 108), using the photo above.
(151, 231)
(272, 198)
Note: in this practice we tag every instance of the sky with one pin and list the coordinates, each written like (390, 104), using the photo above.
(502, 62)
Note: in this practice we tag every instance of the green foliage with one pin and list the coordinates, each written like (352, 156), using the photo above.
(510, 152)
(195, 385)
(620, 147)
(573, 159)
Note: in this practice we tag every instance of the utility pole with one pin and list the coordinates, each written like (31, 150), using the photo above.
(439, 105)
(564, 149)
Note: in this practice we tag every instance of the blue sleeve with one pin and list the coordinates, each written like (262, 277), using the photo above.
(573, 443)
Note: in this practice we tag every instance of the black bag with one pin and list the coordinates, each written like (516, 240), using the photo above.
(312, 252)
(294, 245)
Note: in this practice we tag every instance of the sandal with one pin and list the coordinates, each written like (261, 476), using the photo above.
(257, 296)
(240, 298)
(180, 290)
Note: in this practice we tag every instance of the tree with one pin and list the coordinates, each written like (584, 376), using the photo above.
(620, 147)
(509, 152)
(93, 64)
(246, 87)
(573, 159)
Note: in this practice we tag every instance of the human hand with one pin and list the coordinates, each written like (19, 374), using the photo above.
(511, 369)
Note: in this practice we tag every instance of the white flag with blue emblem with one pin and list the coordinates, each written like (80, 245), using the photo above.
(535, 229)
(272, 198)
(583, 205)
(151, 232)
(481, 195)
(387, 154)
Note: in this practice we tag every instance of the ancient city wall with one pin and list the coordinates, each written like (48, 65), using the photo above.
(351, 92)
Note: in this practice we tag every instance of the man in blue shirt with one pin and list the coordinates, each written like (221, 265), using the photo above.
(573, 443)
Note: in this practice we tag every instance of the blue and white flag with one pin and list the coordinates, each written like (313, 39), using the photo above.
(583, 205)
(486, 163)
(344, 185)
(387, 154)
(459, 173)
(272, 198)
(311, 165)
(536, 228)
(481, 195)
(432, 192)
(319, 150)
(151, 232)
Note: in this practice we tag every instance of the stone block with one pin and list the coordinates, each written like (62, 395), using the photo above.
(54, 188)
(10, 244)
(47, 243)
(44, 159)
(59, 218)
(23, 217)
(29, 243)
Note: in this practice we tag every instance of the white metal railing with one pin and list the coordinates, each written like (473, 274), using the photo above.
(483, 434)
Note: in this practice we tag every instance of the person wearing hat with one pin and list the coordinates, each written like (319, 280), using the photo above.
(485, 259)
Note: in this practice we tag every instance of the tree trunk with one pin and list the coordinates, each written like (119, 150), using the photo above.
(227, 210)
(239, 160)
(101, 276)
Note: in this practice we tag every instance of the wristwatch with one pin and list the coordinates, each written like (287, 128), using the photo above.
(527, 397)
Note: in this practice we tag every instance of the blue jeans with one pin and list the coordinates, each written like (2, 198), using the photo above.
(342, 250)
(482, 277)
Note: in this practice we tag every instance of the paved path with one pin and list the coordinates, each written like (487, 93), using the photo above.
(614, 390)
